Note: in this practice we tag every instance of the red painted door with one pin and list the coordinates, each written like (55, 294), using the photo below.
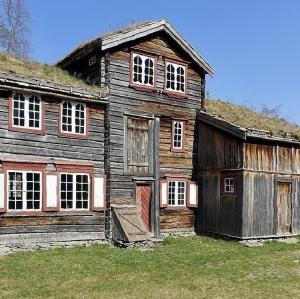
(143, 200)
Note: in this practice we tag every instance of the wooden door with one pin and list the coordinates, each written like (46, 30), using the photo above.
(138, 154)
(284, 207)
(143, 201)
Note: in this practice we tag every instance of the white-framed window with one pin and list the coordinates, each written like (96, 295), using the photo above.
(142, 69)
(175, 77)
(73, 118)
(178, 132)
(26, 111)
(92, 60)
(24, 190)
(177, 193)
(74, 191)
(229, 185)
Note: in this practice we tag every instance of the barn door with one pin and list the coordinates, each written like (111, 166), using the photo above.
(284, 207)
(143, 201)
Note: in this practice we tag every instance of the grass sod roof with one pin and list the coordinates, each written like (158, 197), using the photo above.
(250, 119)
(44, 72)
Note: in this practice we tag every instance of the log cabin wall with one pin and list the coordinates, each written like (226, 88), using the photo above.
(26, 146)
(220, 155)
(127, 100)
(265, 163)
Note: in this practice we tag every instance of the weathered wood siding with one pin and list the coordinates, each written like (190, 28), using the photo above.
(51, 145)
(218, 212)
(265, 164)
(126, 100)
(219, 155)
(218, 150)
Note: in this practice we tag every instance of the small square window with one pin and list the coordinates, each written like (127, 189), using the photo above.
(229, 185)
(92, 60)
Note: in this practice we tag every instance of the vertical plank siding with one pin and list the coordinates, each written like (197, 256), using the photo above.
(267, 164)
(258, 165)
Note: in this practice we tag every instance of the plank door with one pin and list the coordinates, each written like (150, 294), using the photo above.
(138, 145)
(284, 207)
(143, 200)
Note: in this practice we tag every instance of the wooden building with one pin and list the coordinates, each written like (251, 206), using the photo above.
(156, 83)
(249, 175)
(52, 178)
(113, 142)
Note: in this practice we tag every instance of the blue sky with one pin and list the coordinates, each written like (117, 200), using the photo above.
(254, 45)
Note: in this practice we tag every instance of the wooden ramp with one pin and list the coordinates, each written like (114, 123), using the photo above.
(127, 224)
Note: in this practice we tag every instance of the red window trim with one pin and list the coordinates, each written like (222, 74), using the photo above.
(60, 133)
(8, 166)
(66, 168)
(223, 177)
(12, 128)
(178, 150)
(171, 93)
(142, 87)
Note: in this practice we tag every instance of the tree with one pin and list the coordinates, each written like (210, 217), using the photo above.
(14, 27)
(274, 112)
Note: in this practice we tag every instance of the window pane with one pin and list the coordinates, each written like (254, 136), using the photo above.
(180, 79)
(137, 69)
(181, 193)
(171, 193)
(66, 191)
(66, 120)
(34, 107)
(82, 191)
(15, 190)
(177, 134)
(149, 71)
(79, 119)
(170, 77)
(33, 186)
(19, 110)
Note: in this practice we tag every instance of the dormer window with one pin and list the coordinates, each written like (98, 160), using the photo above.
(143, 70)
(175, 77)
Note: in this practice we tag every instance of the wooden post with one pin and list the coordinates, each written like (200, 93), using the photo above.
(156, 166)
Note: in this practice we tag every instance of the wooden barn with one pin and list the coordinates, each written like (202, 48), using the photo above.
(114, 143)
(249, 173)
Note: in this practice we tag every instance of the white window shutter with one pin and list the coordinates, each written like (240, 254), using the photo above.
(2, 200)
(99, 198)
(51, 203)
(163, 193)
(193, 195)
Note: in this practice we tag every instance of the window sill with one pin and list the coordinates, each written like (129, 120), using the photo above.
(72, 135)
(27, 130)
(183, 208)
(175, 95)
(11, 214)
(175, 150)
(143, 87)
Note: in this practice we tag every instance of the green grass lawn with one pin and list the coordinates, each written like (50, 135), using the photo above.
(196, 267)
